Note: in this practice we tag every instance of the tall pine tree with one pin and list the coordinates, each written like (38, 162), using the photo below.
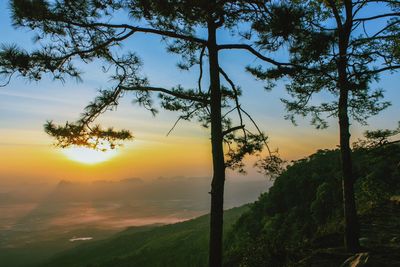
(336, 47)
(70, 31)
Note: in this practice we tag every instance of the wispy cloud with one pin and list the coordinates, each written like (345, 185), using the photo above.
(39, 97)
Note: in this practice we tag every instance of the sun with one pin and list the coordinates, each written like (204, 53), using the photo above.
(88, 156)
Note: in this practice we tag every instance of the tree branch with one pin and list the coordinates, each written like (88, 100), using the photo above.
(254, 52)
(376, 71)
(166, 91)
(201, 68)
(379, 16)
(171, 34)
(336, 13)
(233, 129)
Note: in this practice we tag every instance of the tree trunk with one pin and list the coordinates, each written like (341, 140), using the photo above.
(351, 227)
(218, 180)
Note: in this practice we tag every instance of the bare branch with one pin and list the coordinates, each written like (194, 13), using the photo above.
(335, 13)
(166, 91)
(201, 68)
(171, 34)
(254, 52)
(259, 131)
(379, 16)
(376, 71)
(233, 129)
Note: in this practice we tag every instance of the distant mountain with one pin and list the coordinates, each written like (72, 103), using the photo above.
(176, 189)
(129, 202)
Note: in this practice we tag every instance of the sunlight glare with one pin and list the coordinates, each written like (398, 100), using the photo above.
(88, 156)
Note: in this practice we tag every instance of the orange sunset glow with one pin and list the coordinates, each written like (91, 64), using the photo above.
(210, 133)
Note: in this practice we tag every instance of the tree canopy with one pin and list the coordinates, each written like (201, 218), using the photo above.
(337, 50)
(86, 31)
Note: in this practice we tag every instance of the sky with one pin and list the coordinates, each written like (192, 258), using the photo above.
(28, 156)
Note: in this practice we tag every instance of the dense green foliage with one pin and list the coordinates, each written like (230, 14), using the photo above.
(181, 244)
(302, 211)
(334, 48)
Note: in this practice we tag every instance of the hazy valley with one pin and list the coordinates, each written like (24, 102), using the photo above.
(40, 220)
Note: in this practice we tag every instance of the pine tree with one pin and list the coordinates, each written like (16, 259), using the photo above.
(334, 47)
(87, 30)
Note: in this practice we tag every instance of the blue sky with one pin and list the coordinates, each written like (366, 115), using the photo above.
(25, 106)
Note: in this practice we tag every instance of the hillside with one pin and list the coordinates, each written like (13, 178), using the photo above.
(299, 221)
(181, 244)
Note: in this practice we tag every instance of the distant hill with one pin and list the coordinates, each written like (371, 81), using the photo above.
(181, 244)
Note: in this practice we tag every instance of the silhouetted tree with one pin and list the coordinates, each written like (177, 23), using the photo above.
(71, 30)
(377, 138)
(335, 47)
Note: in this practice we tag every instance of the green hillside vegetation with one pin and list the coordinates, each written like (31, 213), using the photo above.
(31, 248)
(181, 244)
(301, 215)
